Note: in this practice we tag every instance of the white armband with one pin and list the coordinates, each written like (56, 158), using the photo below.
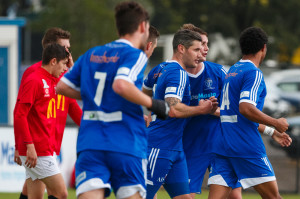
(268, 131)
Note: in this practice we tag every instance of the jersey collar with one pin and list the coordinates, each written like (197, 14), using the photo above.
(247, 60)
(124, 41)
(199, 73)
(173, 61)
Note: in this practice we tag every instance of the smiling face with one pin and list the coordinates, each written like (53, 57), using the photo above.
(191, 56)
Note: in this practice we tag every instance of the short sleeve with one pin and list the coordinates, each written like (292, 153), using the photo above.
(251, 87)
(131, 66)
(175, 84)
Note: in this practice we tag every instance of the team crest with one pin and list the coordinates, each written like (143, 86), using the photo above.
(46, 88)
(208, 83)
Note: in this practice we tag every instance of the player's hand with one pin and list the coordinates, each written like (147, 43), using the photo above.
(70, 60)
(215, 104)
(147, 119)
(206, 106)
(282, 138)
(31, 156)
(281, 125)
(17, 158)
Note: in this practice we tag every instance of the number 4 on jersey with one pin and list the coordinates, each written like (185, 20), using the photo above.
(100, 87)
(225, 99)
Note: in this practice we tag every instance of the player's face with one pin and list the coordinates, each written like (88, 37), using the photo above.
(264, 54)
(145, 37)
(192, 55)
(149, 50)
(60, 68)
(204, 49)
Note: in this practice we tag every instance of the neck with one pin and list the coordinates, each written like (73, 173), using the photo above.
(196, 70)
(254, 58)
(133, 38)
(47, 68)
(177, 57)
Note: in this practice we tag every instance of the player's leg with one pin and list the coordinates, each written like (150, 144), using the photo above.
(177, 181)
(92, 175)
(257, 173)
(24, 194)
(128, 175)
(158, 167)
(197, 166)
(56, 186)
(221, 178)
(236, 193)
(35, 189)
(268, 190)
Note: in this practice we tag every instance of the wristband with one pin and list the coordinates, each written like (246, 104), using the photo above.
(160, 108)
(268, 131)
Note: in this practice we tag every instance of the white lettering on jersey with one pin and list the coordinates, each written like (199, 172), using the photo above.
(171, 90)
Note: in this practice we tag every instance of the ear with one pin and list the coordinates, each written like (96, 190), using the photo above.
(142, 26)
(181, 48)
(53, 61)
(149, 44)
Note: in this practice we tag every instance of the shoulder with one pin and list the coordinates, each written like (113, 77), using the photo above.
(215, 68)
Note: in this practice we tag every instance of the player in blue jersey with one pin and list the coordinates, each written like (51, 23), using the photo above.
(240, 152)
(112, 142)
(169, 81)
(201, 131)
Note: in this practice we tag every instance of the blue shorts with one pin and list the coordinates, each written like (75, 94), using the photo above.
(249, 172)
(197, 167)
(126, 174)
(168, 168)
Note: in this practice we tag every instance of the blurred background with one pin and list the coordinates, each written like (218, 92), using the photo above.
(91, 23)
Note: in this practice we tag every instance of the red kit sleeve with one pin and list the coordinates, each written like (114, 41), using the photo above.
(75, 111)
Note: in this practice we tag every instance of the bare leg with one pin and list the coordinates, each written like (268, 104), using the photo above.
(268, 190)
(56, 186)
(193, 195)
(35, 189)
(235, 193)
(218, 192)
(185, 196)
(96, 194)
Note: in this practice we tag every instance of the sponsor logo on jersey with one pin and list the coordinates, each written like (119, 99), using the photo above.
(46, 88)
(230, 75)
(51, 110)
(171, 90)
(244, 94)
(103, 58)
(203, 96)
(208, 83)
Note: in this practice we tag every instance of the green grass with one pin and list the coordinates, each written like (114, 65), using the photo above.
(161, 195)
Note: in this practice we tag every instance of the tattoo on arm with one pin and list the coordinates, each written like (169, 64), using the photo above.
(172, 101)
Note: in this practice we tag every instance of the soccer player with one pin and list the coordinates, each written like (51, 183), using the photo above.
(112, 142)
(241, 154)
(65, 105)
(169, 81)
(35, 124)
(200, 132)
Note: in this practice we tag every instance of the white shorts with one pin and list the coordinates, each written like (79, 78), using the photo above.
(46, 166)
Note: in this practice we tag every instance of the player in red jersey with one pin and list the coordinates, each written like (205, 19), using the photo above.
(65, 105)
(35, 124)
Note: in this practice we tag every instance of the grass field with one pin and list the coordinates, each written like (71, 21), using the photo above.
(161, 195)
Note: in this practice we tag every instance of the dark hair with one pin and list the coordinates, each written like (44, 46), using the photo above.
(52, 35)
(153, 34)
(185, 38)
(189, 26)
(252, 40)
(54, 51)
(129, 15)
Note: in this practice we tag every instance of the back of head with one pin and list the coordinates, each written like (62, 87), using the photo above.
(252, 40)
(189, 26)
(54, 50)
(153, 34)
(129, 15)
(185, 38)
(52, 35)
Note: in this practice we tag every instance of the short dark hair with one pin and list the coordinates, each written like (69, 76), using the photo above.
(153, 34)
(54, 51)
(129, 15)
(252, 40)
(185, 38)
(52, 35)
(189, 26)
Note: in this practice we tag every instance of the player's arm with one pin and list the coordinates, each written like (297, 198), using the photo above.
(21, 128)
(147, 92)
(281, 138)
(254, 114)
(66, 90)
(180, 110)
(75, 111)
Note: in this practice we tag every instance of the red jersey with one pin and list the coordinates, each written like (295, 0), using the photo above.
(36, 121)
(64, 106)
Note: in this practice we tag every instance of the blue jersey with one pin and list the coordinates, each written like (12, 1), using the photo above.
(240, 137)
(172, 81)
(201, 131)
(109, 121)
